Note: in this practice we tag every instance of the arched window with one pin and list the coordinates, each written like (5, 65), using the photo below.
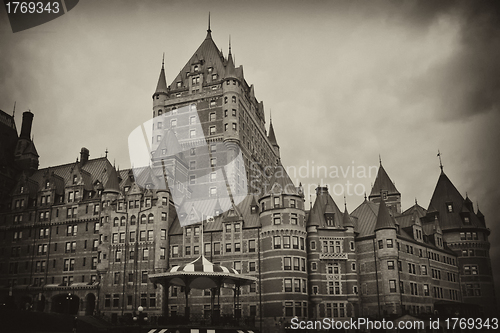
(225, 100)
(132, 220)
(115, 222)
(160, 112)
(143, 219)
(151, 218)
(233, 99)
(122, 221)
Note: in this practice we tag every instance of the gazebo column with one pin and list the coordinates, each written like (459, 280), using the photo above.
(237, 307)
(186, 311)
(166, 288)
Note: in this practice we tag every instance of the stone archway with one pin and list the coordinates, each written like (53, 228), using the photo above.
(90, 304)
(65, 303)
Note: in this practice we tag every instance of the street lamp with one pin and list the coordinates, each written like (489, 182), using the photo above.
(141, 318)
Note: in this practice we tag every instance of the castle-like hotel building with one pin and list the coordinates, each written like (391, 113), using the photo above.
(84, 237)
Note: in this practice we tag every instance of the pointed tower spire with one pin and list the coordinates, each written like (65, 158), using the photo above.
(209, 31)
(161, 87)
(440, 163)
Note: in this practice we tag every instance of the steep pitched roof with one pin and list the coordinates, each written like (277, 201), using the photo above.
(113, 184)
(421, 212)
(366, 213)
(209, 54)
(282, 180)
(324, 203)
(446, 193)
(384, 219)
(346, 219)
(383, 183)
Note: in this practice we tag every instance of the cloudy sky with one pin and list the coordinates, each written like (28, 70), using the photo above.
(345, 80)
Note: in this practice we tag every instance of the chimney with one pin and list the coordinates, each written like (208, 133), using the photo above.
(26, 126)
(84, 156)
(321, 190)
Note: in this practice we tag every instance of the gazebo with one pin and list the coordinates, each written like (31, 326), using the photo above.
(202, 274)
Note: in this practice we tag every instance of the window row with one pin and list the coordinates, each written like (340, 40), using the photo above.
(295, 285)
(288, 242)
(298, 264)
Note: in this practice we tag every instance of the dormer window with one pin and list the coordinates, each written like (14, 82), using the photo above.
(47, 184)
(449, 207)
(276, 202)
(160, 112)
(253, 209)
(384, 195)
(196, 68)
(329, 220)
(21, 190)
(210, 70)
(466, 220)
(179, 84)
(164, 152)
(214, 77)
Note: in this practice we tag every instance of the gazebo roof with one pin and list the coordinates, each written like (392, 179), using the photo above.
(201, 274)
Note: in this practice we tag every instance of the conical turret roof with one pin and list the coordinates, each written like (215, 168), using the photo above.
(161, 87)
(384, 219)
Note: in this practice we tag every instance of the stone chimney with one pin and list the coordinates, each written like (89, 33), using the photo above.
(26, 126)
(84, 156)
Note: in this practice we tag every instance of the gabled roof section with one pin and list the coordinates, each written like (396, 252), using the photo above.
(416, 208)
(444, 194)
(384, 219)
(366, 213)
(324, 204)
(383, 183)
(113, 184)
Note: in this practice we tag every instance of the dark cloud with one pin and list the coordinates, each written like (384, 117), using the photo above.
(470, 77)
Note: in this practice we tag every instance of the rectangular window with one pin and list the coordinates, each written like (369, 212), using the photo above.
(251, 245)
(389, 244)
(390, 264)
(288, 285)
(392, 286)
(277, 242)
(217, 248)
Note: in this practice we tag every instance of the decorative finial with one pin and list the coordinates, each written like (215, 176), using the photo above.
(163, 61)
(440, 163)
(270, 115)
(14, 111)
(209, 30)
(365, 196)
(416, 203)
(106, 151)
(379, 159)
(229, 44)
(345, 202)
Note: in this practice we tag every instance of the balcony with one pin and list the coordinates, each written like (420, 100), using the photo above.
(333, 256)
